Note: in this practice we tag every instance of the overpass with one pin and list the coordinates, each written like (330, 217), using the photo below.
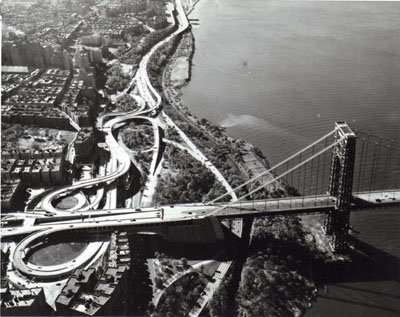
(17, 224)
(334, 175)
(183, 219)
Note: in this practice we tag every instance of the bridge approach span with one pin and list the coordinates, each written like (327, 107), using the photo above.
(130, 217)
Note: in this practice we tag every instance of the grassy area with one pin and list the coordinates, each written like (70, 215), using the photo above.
(181, 296)
(186, 179)
(165, 267)
(180, 69)
(209, 268)
(57, 253)
(126, 103)
(67, 202)
(33, 138)
(138, 136)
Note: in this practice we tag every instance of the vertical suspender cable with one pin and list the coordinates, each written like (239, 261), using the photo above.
(294, 188)
(324, 168)
(372, 171)
(316, 185)
(396, 171)
(366, 157)
(311, 173)
(287, 168)
(298, 179)
(376, 169)
(304, 181)
(385, 171)
(361, 165)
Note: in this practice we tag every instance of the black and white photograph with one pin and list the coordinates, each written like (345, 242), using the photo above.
(211, 158)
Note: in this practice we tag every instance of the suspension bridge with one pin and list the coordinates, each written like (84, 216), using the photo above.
(343, 171)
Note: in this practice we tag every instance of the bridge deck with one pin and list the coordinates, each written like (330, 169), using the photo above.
(308, 204)
(376, 199)
(24, 223)
(281, 206)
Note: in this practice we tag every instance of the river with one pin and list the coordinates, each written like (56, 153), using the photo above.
(280, 73)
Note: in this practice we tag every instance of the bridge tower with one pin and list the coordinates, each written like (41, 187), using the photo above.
(341, 185)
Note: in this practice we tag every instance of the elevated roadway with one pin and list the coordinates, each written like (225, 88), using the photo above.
(41, 225)
(148, 93)
(184, 212)
(117, 154)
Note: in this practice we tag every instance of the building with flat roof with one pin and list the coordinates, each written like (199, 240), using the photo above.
(44, 171)
(23, 302)
(35, 103)
(10, 192)
(80, 103)
(13, 77)
(92, 294)
(84, 144)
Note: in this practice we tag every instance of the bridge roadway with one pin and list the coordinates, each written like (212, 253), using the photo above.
(117, 154)
(147, 92)
(26, 223)
(305, 204)
(119, 159)
(41, 225)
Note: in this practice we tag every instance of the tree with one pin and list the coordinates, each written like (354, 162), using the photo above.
(159, 283)
(218, 305)
(184, 262)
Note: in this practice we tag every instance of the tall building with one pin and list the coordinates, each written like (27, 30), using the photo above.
(16, 59)
(82, 59)
(67, 61)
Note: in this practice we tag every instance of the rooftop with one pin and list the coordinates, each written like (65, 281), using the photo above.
(15, 69)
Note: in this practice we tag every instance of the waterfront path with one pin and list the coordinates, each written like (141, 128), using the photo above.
(195, 152)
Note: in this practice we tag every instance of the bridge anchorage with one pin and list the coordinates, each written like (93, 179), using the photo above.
(337, 221)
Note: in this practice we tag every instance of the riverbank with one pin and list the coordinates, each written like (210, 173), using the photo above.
(237, 159)
(238, 162)
(283, 95)
(287, 274)
(246, 162)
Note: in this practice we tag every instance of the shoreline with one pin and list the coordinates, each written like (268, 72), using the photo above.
(255, 163)
(251, 149)
(217, 134)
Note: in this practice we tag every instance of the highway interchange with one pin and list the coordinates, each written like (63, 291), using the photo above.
(119, 165)
(49, 219)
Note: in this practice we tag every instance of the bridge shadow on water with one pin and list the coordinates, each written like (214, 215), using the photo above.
(368, 305)
(350, 282)
(368, 264)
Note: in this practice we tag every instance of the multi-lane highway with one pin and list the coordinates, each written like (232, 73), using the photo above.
(24, 223)
(119, 157)
(119, 165)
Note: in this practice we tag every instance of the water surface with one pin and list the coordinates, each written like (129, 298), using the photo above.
(280, 73)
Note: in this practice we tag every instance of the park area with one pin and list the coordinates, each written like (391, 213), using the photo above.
(19, 137)
(67, 202)
(56, 253)
(180, 70)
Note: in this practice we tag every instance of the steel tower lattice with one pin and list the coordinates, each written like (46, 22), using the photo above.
(341, 185)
